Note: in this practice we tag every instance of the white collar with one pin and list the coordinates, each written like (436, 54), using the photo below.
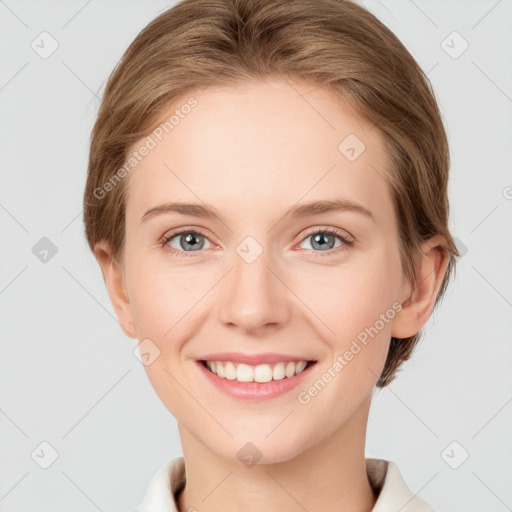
(384, 476)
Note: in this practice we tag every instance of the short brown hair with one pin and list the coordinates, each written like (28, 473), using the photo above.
(333, 43)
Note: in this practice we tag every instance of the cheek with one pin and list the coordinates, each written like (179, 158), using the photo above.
(353, 310)
(161, 299)
(162, 308)
(352, 307)
(349, 298)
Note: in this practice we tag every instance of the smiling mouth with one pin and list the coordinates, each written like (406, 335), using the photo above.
(261, 373)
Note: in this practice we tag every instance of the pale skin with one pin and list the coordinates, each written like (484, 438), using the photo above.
(252, 153)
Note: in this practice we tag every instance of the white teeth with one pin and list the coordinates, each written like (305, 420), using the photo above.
(221, 370)
(230, 371)
(244, 373)
(278, 372)
(260, 373)
(300, 366)
(290, 370)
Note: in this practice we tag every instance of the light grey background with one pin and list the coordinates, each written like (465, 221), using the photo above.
(68, 376)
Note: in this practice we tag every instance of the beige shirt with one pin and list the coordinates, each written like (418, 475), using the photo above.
(384, 477)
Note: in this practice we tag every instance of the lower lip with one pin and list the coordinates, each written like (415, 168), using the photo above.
(255, 390)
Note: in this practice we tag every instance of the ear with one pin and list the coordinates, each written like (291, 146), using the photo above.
(419, 301)
(115, 282)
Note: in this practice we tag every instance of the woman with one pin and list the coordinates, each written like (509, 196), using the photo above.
(267, 200)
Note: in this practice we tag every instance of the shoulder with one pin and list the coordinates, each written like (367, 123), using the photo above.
(391, 489)
(164, 486)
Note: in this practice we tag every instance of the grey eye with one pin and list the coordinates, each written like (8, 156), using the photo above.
(189, 241)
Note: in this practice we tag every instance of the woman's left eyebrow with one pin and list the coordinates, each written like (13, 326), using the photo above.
(299, 211)
(334, 205)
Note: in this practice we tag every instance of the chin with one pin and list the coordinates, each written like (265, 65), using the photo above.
(264, 451)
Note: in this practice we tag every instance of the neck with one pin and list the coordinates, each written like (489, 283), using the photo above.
(329, 476)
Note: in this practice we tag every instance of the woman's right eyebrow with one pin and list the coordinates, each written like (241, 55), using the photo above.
(196, 210)
(299, 211)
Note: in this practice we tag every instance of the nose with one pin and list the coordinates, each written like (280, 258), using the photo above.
(255, 298)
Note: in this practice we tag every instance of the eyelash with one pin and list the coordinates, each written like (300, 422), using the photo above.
(347, 242)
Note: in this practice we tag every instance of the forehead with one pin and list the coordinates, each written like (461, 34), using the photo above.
(258, 145)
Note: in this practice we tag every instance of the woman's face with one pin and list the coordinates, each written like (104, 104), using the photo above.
(258, 271)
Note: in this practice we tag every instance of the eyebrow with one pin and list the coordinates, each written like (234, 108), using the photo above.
(297, 212)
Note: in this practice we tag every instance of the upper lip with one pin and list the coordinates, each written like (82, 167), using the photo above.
(253, 359)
